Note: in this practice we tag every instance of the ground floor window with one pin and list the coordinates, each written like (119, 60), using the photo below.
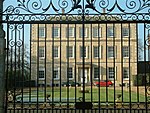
(70, 73)
(41, 74)
(56, 73)
(126, 73)
(111, 73)
(96, 73)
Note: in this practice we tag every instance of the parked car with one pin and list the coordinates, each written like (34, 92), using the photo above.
(105, 83)
(71, 83)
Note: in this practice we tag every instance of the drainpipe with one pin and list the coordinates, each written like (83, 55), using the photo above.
(2, 62)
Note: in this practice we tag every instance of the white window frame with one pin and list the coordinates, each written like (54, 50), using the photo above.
(85, 32)
(41, 32)
(43, 55)
(99, 51)
(124, 72)
(125, 52)
(71, 32)
(41, 69)
(114, 72)
(72, 73)
(54, 34)
(96, 32)
(86, 48)
(110, 28)
(125, 32)
(67, 49)
(109, 51)
(56, 68)
(94, 73)
(54, 51)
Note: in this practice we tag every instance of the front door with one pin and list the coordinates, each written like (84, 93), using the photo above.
(85, 75)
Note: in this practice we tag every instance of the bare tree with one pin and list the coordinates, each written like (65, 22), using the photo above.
(140, 49)
(17, 66)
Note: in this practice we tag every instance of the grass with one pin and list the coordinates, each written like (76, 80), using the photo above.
(96, 94)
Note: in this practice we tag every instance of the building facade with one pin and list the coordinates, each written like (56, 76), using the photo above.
(109, 52)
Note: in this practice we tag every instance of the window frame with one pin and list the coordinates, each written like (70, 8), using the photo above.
(72, 34)
(124, 72)
(56, 68)
(54, 51)
(123, 31)
(41, 69)
(54, 34)
(72, 73)
(114, 73)
(110, 28)
(109, 52)
(85, 32)
(94, 73)
(97, 50)
(41, 32)
(98, 32)
(43, 55)
(67, 49)
(86, 48)
(125, 52)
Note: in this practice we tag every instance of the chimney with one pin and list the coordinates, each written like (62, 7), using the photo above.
(63, 11)
(104, 10)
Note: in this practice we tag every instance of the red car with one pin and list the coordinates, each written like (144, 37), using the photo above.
(105, 83)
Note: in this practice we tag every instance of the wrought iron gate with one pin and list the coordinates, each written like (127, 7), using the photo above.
(77, 56)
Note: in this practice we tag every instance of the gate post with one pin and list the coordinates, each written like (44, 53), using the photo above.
(2, 61)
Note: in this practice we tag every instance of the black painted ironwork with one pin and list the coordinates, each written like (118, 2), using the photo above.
(95, 41)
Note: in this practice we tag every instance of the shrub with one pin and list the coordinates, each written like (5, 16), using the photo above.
(139, 80)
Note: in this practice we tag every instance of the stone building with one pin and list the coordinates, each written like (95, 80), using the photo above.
(110, 52)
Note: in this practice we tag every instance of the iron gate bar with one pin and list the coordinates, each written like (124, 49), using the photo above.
(137, 61)
(129, 65)
(98, 61)
(68, 65)
(91, 69)
(37, 104)
(30, 37)
(114, 62)
(145, 64)
(122, 62)
(106, 63)
(60, 59)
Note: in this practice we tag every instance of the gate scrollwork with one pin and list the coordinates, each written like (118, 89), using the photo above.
(37, 6)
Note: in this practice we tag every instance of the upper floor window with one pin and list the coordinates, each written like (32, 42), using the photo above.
(111, 73)
(83, 53)
(56, 32)
(126, 51)
(111, 52)
(70, 51)
(126, 73)
(96, 32)
(56, 52)
(85, 32)
(41, 52)
(97, 52)
(41, 74)
(110, 32)
(70, 73)
(41, 31)
(125, 32)
(97, 73)
(56, 73)
(70, 32)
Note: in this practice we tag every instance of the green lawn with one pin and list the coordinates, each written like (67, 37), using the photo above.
(95, 94)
